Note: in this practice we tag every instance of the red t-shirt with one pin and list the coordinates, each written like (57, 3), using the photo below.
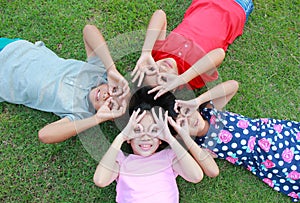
(207, 25)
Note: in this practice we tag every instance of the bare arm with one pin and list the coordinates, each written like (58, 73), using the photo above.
(184, 164)
(203, 158)
(207, 63)
(221, 94)
(156, 31)
(64, 129)
(108, 169)
(95, 45)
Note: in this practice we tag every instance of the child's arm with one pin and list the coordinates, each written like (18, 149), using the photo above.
(64, 128)
(207, 63)
(156, 31)
(204, 159)
(220, 95)
(95, 45)
(108, 169)
(184, 164)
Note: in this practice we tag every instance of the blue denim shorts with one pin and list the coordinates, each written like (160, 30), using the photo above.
(6, 41)
(247, 5)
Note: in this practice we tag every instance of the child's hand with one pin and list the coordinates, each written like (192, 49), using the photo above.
(162, 127)
(144, 66)
(166, 82)
(187, 108)
(133, 129)
(110, 110)
(181, 126)
(117, 85)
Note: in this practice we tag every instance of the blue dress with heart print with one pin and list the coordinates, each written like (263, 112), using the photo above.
(269, 148)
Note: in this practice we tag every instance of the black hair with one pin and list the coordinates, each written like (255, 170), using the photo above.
(141, 99)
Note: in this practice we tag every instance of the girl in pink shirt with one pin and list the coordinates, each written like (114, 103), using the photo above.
(149, 175)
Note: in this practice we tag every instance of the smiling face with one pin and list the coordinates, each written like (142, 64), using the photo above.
(167, 65)
(99, 95)
(145, 145)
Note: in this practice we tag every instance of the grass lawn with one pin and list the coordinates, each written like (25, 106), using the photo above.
(265, 61)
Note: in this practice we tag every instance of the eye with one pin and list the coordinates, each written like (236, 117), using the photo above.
(114, 90)
(137, 130)
(151, 68)
(154, 130)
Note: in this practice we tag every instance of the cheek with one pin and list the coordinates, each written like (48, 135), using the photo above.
(192, 129)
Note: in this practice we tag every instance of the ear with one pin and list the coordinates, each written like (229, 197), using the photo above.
(160, 142)
(128, 141)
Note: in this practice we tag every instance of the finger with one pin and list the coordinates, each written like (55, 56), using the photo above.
(155, 89)
(176, 107)
(126, 91)
(154, 115)
(166, 116)
(114, 105)
(118, 113)
(134, 114)
(141, 116)
(142, 75)
(172, 122)
(107, 101)
(136, 68)
(123, 103)
(136, 76)
(159, 93)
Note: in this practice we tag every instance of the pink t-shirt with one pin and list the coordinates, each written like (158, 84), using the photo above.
(207, 25)
(147, 179)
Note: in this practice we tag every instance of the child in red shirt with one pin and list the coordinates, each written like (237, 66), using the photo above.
(197, 44)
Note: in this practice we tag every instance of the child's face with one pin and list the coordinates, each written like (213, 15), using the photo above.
(99, 95)
(145, 144)
(167, 65)
(195, 122)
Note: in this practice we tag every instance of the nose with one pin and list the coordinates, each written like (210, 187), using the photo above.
(145, 137)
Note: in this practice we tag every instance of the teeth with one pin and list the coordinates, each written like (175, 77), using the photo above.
(145, 146)
(98, 95)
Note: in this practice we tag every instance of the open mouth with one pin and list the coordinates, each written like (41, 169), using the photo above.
(145, 147)
(168, 64)
(196, 123)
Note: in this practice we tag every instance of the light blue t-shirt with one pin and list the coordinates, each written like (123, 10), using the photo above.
(33, 75)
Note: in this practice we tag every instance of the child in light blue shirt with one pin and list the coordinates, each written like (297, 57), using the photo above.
(34, 76)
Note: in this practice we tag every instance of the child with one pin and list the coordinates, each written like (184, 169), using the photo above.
(148, 175)
(207, 29)
(32, 75)
(267, 147)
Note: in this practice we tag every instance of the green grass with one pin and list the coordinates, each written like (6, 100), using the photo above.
(265, 60)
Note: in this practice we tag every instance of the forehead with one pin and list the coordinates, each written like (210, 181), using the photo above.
(147, 120)
(150, 80)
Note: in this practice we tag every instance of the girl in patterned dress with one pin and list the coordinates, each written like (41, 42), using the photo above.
(267, 147)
